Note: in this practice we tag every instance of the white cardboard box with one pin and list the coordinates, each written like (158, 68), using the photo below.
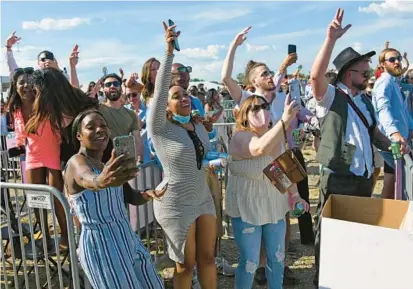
(363, 245)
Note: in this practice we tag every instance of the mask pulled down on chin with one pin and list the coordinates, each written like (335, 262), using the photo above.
(261, 119)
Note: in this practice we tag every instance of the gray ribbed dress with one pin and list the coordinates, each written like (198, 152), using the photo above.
(188, 195)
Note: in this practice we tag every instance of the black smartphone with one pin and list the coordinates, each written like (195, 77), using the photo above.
(292, 48)
(175, 42)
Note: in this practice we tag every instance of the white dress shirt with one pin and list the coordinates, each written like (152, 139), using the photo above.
(356, 132)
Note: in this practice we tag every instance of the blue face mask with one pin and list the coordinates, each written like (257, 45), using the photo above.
(181, 119)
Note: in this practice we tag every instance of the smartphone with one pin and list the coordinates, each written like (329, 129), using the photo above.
(292, 48)
(175, 42)
(125, 145)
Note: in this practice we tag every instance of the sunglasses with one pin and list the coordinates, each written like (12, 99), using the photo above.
(258, 107)
(394, 58)
(132, 95)
(183, 69)
(365, 74)
(115, 84)
(28, 70)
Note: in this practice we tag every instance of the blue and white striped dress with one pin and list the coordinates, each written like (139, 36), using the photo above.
(111, 254)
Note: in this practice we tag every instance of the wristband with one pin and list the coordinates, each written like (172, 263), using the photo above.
(95, 183)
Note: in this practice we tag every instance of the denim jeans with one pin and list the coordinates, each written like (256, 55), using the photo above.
(248, 238)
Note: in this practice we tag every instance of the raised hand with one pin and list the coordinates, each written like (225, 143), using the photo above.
(12, 39)
(134, 77)
(335, 29)
(170, 36)
(405, 55)
(386, 44)
(121, 73)
(241, 37)
(290, 109)
(74, 56)
(116, 172)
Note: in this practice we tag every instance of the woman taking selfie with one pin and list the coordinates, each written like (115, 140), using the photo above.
(186, 212)
(111, 254)
(257, 208)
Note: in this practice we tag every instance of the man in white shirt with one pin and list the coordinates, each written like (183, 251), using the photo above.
(348, 125)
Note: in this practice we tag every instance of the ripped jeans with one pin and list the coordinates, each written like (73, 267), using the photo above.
(248, 238)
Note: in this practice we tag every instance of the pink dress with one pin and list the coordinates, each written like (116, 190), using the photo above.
(42, 148)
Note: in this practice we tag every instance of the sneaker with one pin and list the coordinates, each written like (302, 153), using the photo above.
(223, 267)
(260, 277)
(195, 281)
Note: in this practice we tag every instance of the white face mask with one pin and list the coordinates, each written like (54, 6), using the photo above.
(260, 119)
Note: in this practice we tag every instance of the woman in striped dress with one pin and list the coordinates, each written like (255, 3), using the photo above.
(187, 211)
(111, 254)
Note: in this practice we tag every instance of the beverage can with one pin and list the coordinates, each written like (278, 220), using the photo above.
(395, 149)
(297, 136)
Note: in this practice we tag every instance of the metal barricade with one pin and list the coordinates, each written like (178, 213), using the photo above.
(26, 244)
(142, 217)
(408, 177)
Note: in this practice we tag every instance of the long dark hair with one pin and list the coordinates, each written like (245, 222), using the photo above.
(149, 87)
(14, 101)
(210, 96)
(56, 99)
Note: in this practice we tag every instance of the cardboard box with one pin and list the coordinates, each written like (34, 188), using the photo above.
(366, 243)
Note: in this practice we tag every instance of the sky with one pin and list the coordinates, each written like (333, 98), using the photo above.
(125, 34)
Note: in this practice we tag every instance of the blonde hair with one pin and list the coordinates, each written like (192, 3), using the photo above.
(241, 118)
(382, 56)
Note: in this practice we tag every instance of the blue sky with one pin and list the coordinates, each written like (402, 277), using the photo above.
(125, 34)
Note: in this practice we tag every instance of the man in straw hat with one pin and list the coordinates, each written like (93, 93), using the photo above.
(348, 124)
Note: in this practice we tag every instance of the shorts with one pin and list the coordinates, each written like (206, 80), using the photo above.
(216, 192)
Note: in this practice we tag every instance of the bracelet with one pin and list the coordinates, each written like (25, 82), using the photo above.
(95, 183)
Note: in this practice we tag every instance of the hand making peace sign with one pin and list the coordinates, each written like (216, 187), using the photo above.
(335, 30)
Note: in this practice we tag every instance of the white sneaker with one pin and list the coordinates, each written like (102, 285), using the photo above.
(223, 267)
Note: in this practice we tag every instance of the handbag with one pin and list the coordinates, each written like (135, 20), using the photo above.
(285, 170)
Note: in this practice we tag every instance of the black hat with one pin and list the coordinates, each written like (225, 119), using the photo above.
(349, 56)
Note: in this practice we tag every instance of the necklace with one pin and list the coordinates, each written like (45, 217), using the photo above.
(95, 163)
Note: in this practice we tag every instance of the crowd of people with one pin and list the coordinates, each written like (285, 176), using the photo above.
(65, 137)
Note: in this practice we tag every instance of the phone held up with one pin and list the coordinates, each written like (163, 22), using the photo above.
(175, 42)
(292, 48)
(125, 145)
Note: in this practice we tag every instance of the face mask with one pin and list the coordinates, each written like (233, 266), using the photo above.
(260, 119)
(181, 119)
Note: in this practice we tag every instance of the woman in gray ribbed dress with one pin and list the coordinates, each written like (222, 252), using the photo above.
(186, 212)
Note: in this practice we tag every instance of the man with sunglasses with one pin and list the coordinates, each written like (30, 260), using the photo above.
(347, 126)
(45, 59)
(394, 118)
(121, 121)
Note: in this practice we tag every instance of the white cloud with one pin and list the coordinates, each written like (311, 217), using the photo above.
(210, 52)
(388, 7)
(255, 48)
(214, 15)
(55, 24)
(357, 46)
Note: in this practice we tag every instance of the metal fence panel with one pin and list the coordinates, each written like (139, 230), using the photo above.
(408, 177)
(20, 236)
